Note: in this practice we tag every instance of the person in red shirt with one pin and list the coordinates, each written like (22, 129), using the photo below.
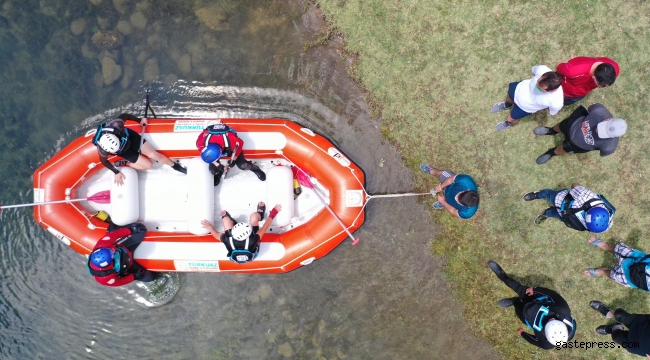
(111, 261)
(220, 140)
(582, 74)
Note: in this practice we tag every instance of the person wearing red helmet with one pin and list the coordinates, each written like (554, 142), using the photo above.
(220, 140)
(111, 261)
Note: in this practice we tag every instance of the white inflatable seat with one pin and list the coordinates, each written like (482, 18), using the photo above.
(200, 196)
(279, 182)
(125, 199)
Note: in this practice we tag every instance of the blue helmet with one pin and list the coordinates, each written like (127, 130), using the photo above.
(211, 153)
(102, 257)
(597, 219)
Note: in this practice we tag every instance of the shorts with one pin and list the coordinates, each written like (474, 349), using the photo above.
(570, 101)
(621, 251)
(565, 127)
(132, 153)
(446, 174)
(516, 112)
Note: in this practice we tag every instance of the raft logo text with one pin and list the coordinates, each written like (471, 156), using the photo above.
(595, 344)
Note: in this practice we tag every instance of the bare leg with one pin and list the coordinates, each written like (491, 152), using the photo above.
(509, 100)
(556, 128)
(599, 272)
(143, 163)
(153, 154)
(256, 216)
(602, 245)
(227, 221)
(559, 151)
(512, 121)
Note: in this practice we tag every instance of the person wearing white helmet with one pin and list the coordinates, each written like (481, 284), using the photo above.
(544, 311)
(112, 138)
(242, 240)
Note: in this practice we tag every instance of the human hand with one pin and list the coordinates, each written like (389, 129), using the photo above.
(441, 197)
(143, 121)
(276, 209)
(530, 291)
(119, 178)
(439, 188)
(206, 225)
(520, 331)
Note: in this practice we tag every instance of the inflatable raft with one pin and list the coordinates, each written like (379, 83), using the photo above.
(172, 204)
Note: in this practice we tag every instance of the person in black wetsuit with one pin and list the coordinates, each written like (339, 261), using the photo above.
(638, 329)
(112, 138)
(543, 310)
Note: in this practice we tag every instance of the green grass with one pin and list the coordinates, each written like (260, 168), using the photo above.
(434, 68)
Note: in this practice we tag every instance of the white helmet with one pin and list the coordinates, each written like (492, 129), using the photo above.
(109, 143)
(556, 332)
(241, 231)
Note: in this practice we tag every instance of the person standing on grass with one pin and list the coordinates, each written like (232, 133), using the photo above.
(632, 270)
(460, 195)
(526, 97)
(578, 208)
(638, 329)
(582, 74)
(544, 311)
(585, 130)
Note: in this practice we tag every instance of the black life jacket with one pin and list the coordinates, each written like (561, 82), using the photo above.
(638, 272)
(121, 263)
(574, 217)
(220, 130)
(241, 254)
(545, 312)
(122, 135)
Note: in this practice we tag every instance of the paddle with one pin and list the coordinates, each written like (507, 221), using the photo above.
(102, 197)
(232, 160)
(147, 106)
(305, 180)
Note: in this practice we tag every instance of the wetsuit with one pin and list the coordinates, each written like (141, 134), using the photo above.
(638, 331)
(125, 240)
(527, 309)
(131, 150)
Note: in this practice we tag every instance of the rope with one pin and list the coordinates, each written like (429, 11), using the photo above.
(368, 196)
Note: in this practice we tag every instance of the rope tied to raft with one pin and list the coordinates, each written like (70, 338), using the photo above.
(369, 197)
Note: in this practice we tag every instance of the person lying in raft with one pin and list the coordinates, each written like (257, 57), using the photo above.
(243, 240)
(220, 140)
(112, 138)
(111, 261)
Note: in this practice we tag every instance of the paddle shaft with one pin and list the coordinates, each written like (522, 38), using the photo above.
(41, 203)
(354, 241)
(232, 159)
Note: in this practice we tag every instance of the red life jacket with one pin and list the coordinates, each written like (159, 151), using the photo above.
(225, 137)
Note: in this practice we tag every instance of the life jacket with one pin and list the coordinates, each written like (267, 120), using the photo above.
(241, 255)
(122, 135)
(544, 312)
(220, 130)
(574, 218)
(637, 273)
(121, 262)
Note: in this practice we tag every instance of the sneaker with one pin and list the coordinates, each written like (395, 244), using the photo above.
(260, 174)
(608, 329)
(543, 130)
(506, 302)
(541, 217)
(497, 269)
(503, 125)
(545, 157)
(426, 168)
(601, 308)
(533, 195)
(438, 206)
(498, 107)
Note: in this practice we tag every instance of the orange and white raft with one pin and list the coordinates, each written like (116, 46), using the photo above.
(172, 204)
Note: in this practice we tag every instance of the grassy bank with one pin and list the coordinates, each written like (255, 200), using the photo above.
(434, 68)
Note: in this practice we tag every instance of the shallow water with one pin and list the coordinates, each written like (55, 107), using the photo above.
(383, 299)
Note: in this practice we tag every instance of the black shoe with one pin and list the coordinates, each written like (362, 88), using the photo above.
(608, 329)
(542, 217)
(600, 307)
(497, 270)
(533, 195)
(545, 157)
(543, 130)
(179, 168)
(506, 302)
(260, 174)
(217, 179)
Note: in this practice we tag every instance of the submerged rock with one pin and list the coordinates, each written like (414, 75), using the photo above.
(106, 40)
(138, 20)
(212, 18)
(151, 70)
(110, 70)
(124, 27)
(285, 350)
(185, 64)
(78, 26)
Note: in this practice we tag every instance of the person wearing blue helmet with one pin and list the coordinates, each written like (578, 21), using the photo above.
(578, 208)
(632, 268)
(111, 262)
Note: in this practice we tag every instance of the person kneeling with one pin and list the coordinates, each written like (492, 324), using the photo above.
(242, 240)
(111, 261)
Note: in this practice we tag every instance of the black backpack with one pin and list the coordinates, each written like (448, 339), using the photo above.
(638, 271)
(568, 214)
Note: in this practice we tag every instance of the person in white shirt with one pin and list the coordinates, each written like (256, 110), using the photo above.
(544, 90)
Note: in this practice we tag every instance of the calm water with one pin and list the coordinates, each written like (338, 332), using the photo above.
(383, 299)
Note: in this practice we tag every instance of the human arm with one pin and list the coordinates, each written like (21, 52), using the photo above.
(448, 181)
(206, 225)
(452, 210)
(111, 237)
(534, 340)
(114, 280)
(129, 117)
(276, 209)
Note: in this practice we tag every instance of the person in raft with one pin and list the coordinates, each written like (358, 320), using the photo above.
(582, 74)
(544, 311)
(458, 194)
(242, 240)
(585, 130)
(220, 140)
(111, 261)
(638, 329)
(526, 97)
(112, 138)
(632, 269)
(578, 208)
